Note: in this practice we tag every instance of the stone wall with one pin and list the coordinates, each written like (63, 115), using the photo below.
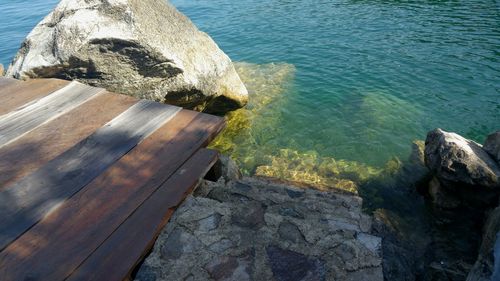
(256, 229)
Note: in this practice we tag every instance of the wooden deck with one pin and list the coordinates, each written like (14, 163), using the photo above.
(89, 178)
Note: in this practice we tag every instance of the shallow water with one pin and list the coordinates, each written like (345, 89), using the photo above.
(339, 88)
(369, 77)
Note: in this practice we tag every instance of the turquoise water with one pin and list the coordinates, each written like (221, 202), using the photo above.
(365, 78)
(371, 76)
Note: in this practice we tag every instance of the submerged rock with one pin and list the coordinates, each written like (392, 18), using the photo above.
(492, 145)
(144, 48)
(464, 170)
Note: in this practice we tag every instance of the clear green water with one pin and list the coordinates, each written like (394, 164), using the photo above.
(364, 79)
(339, 88)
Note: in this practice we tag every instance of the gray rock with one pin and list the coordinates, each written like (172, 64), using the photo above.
(291, 212)
(464, 170)
(231, 268)
(146, 273)
(252, 229)
(209, 223)
(221, 246)
(374, 273)
(179, 242)
(492, 145)
(294, 193)
(440, 197)
(292, 266)
(144, 48)
(488, 261)
(371, 242)
(290, 232)
(458, 160)
(229, 169)
(250, 215)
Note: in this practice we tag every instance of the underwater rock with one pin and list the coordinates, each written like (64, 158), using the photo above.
(488, 261)
(252, 131)
(322, 172)
(492, 145)
(417, 155)
(462, 167)
(143, 48)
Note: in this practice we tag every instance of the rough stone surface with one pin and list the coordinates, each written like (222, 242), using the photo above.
(229, 169)
(288, 265)
(487, 266)
(256, 229)
(456, 159)
(492, 145)
(464, 170)
(144, 48)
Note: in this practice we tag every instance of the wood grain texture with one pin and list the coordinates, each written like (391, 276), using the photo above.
(27, 201)
(6, 83)
(26, 118)
(127, 246)
(25, 92)
(88, 218)
(36, 148)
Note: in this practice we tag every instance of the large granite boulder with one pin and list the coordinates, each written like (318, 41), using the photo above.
(463, 170)
(144, 48)
(456, 159)
(492, 145)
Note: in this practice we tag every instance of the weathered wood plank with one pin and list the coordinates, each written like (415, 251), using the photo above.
(24, 119)
(127, 246)
(33, 150)
(27, 201)
(25, 92)
(89, 217)
(6, 83)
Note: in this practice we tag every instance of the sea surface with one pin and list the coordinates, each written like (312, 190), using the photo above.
(341, 88)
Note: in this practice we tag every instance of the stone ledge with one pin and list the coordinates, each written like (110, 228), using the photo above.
(254, 229)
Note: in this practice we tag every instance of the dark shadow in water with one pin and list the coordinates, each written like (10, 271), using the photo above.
(420, 241)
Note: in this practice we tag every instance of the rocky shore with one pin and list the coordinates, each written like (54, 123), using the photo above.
(465, 190)
(267, 229)
(434, 217)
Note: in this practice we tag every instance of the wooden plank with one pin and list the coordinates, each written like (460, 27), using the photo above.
(6, 82)
(26, 118)
(27, 201)
(88, 218)
(128, 245)
(33, 150)
(25, 92)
